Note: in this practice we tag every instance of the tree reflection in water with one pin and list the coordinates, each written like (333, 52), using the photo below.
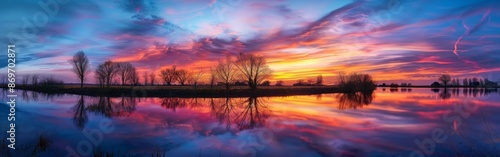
(445, 94)
(36, 96)
(173, 103)
(106, 107)
(224, 110)
(253, 114)
(243, 113)
(354, 100)
(80, 117)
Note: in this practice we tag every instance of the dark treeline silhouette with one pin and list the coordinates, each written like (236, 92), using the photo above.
(310, 82)
(244, 69)
(395, 85)
(447, 81)
(109, 72)
(356, 83)
(40, 80)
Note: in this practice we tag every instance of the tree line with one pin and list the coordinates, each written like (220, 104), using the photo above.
(446, 80)
(246, 68)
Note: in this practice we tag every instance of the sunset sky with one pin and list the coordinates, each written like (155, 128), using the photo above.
(393, 40)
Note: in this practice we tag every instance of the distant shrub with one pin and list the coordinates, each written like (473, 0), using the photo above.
(356, 82)
(280, 83)
(266, 83)
(49, 81)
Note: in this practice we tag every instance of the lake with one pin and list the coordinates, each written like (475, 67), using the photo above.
(389, 122)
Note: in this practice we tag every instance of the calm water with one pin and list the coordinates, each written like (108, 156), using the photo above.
(459, 122)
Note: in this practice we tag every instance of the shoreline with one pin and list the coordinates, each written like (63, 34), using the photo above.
(201, 91)
(183, 91)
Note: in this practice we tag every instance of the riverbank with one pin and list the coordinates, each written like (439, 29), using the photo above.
(183, 91)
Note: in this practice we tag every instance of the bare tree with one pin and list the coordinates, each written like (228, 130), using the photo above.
(182, 76)
(34, 79)
(25, 80)
(445, 78)
(319, 80)
(105, 72)
(145, 77)
(225, 71)
(81, 66)
(196, 77)
(125, 70)
(212, 78)
(133, 78)
(152, 78)
(168, 75)
(356, 82)
(253, 68)
(100, 77)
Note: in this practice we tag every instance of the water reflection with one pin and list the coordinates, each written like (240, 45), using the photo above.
(173, 103)
(223, 110)
(80, 117)
(36, 96)
(107, 107)
(354, 100)
(382, 123)
(243, 113)
(253, 114)
(447, 93)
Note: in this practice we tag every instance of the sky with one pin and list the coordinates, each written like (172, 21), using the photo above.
(393, 40)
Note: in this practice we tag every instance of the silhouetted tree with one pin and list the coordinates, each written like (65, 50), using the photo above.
(445, 78)
(125, 71)
(196, 78)
(435, 84)
(253, 68)
(212, 80)
(133, 77)
(300, 82)
(319, 80)
(152, 78)
(34, 79)
(25, 79)
(465, 82)
(225, 71)
(280, 83)
(168, 75)
(266, 83)
(356, 82)
(145, 77)
(182, 76)
(105, 72)
(81, 66)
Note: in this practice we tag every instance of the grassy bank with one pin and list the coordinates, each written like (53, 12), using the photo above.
(182, 91)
